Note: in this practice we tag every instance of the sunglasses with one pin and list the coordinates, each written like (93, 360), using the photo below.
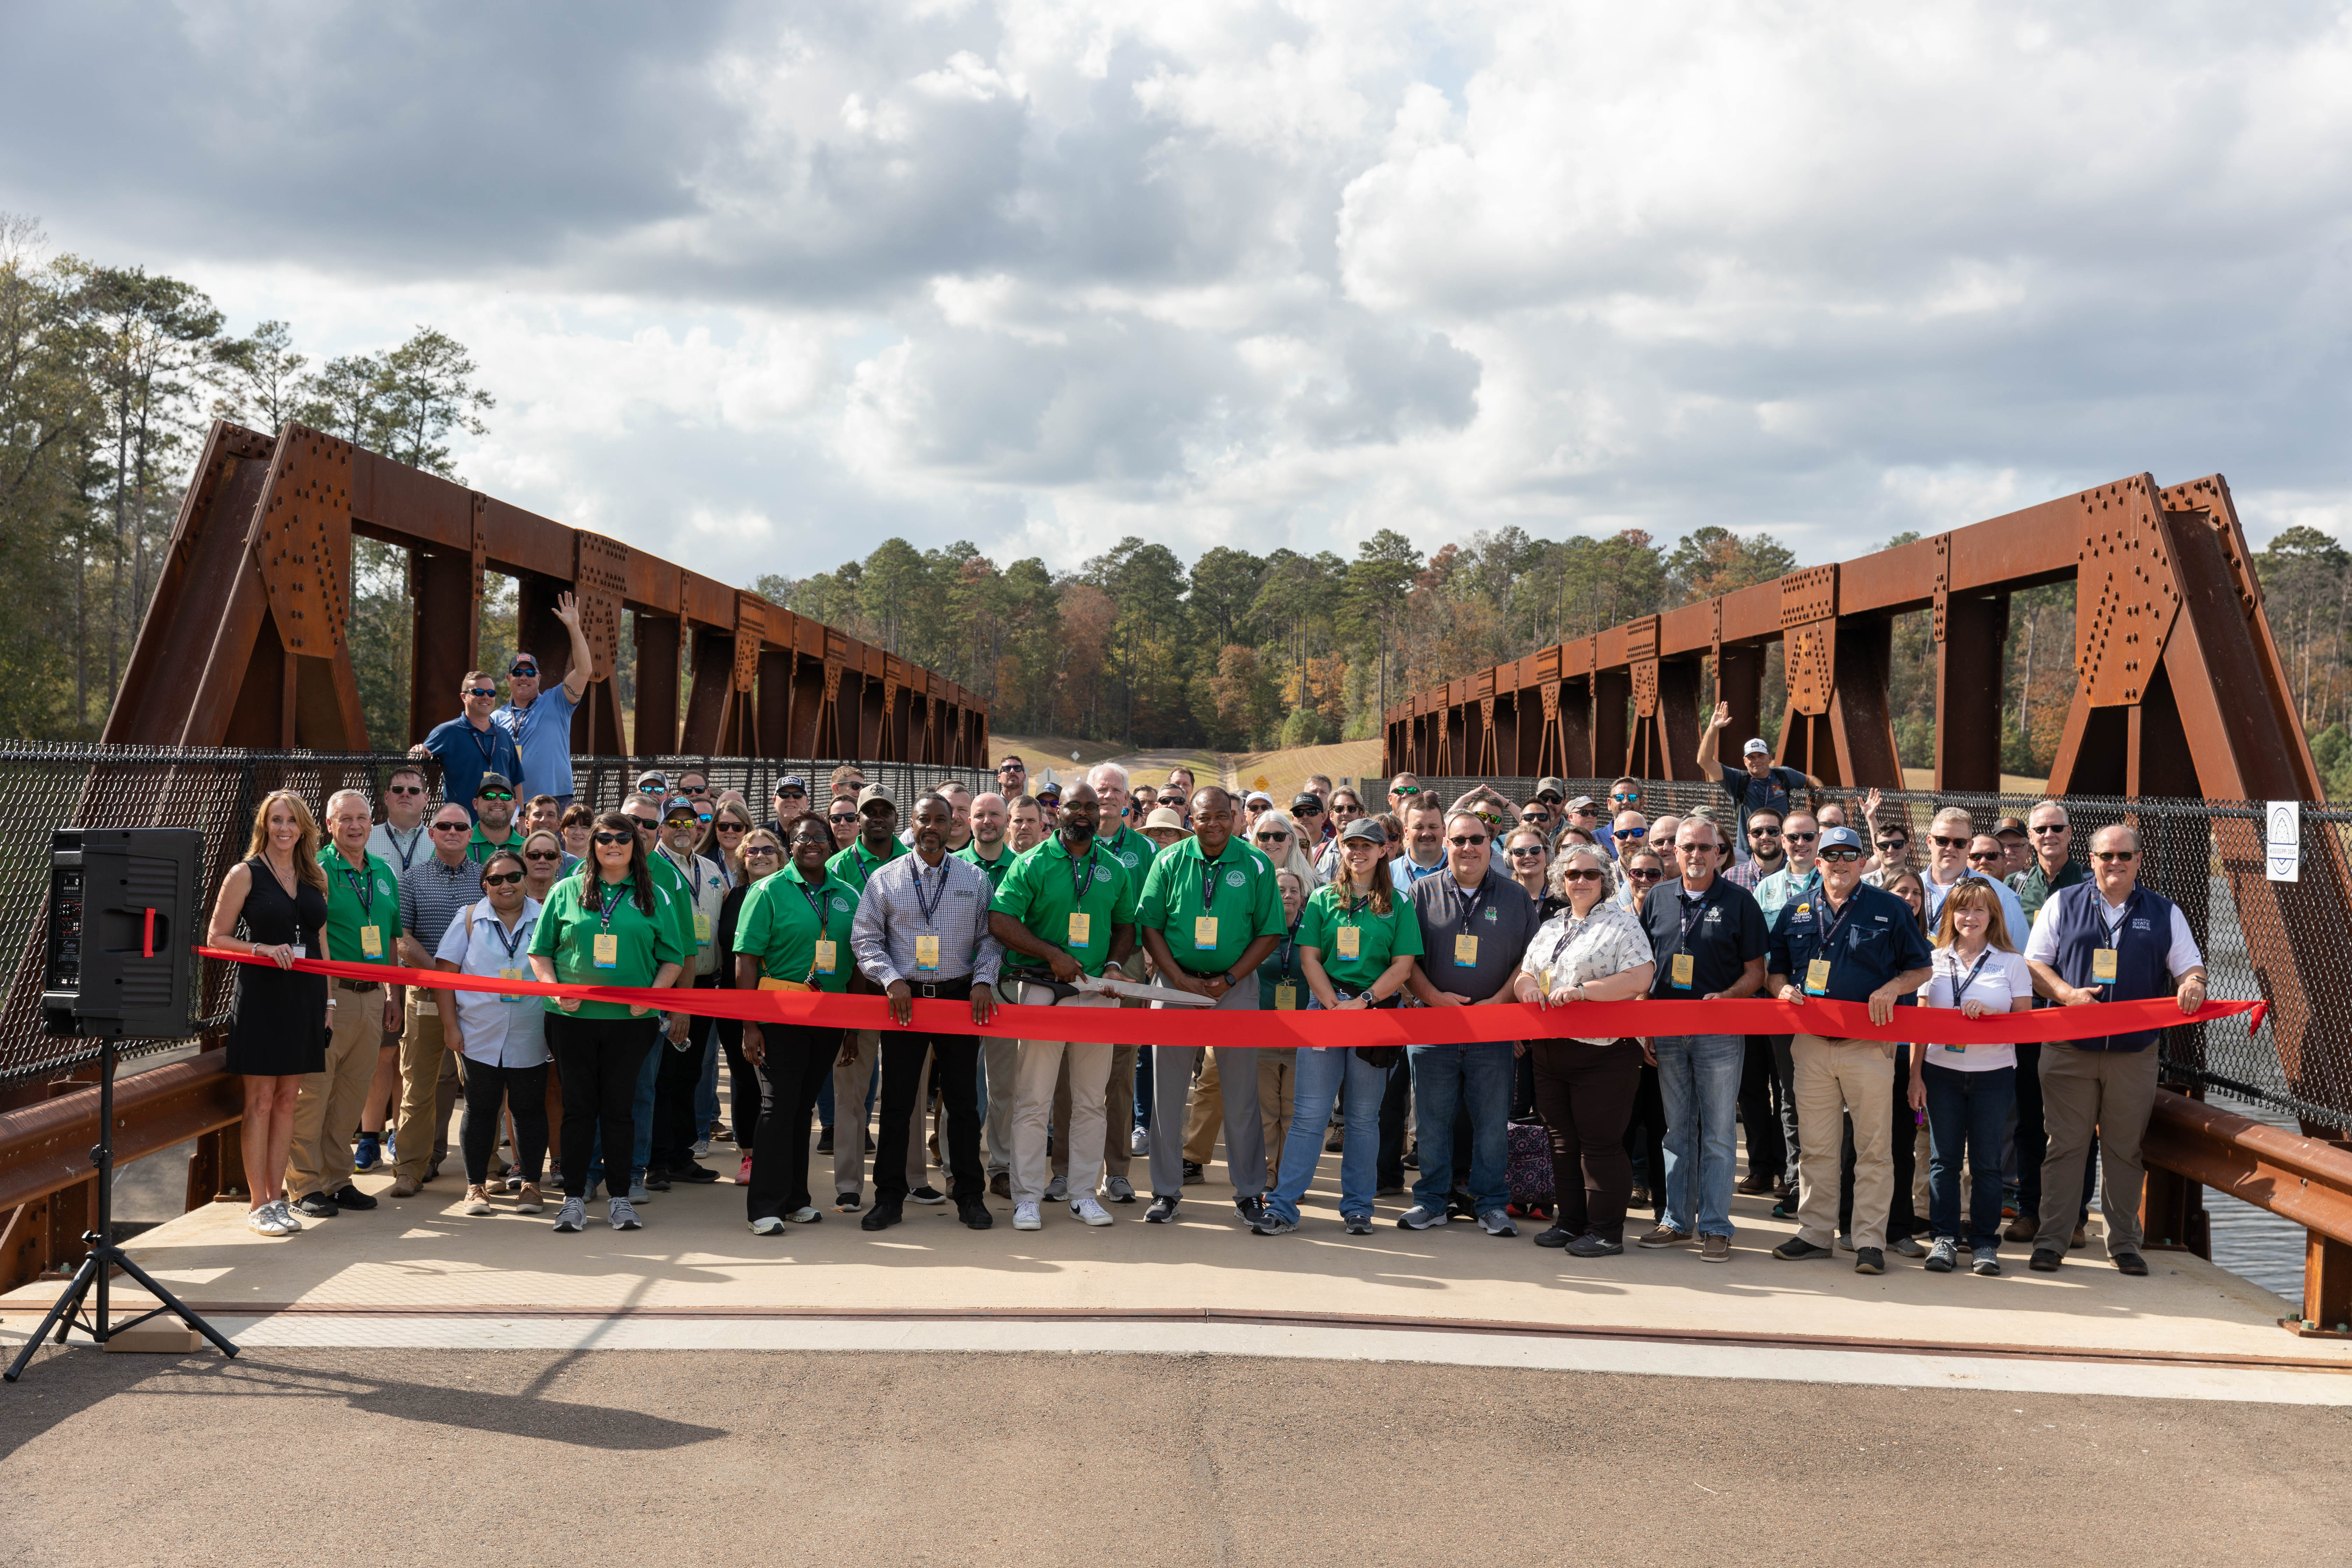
(1305, 811)
(694, 790)
(1584, 811)
(1587, 875)
(1641, 876)
(481, 691)
(1467, 841)
(503, 880)
(1550, 799)
(1273, 839)
(2113, 856)
(1527, 852)
(792, 794)
(1406, 789)
(1699, 848)
(648, 787)
(524, 670)
(1943, 842)
(404, 789)
(1800, 838)
(1628, 799)
(452, 826)
(757, 851)
(1537, 818)
(843, 817)
(494, 795)
(2043, 829)
(1987, 857)
(1762, 831)
(542, 855)
(650, 824)
(1841, 855)
(1888, 845)
(609, 838)
(732, 827)
(675, 817)
(1633, 833)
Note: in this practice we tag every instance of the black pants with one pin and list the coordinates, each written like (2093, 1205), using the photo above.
(1585, 1095)
(1784, 1074)
(524, 1089)
(1645, 1135)
(2033, 1140)
(675, 1083)
(1759, 1116)
(598, 1058)
(798, 1062)
(1390, 1172)
(747, 1095)
(955, 1072)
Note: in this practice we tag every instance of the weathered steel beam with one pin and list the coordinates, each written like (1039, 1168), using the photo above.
(44, 1148)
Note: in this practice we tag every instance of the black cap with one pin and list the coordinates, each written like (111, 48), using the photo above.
(1364, 827)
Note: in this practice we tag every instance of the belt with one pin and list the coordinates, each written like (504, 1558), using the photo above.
(959, 985)
(361, 986)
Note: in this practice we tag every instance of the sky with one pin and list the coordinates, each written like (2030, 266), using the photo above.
(758, 286)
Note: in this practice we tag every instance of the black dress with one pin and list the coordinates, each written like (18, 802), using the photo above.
(278, 1021)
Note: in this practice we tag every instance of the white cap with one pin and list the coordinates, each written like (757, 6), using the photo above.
(1756, 748)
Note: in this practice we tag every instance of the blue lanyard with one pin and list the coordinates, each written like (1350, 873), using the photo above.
(523, 929)
(930, 906)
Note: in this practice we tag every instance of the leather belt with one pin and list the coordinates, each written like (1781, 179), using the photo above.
(960, 986)
(361, 986)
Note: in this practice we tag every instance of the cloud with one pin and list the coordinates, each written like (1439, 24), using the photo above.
(769, 284)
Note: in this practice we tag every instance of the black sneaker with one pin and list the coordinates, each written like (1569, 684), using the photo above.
(927, 1194)
(1360, 1224)
(845, 1203)
(825, 1142)
(350, 1197)
(1555, 1236)
(975, 1214)
(1192, 1173)
(882, 1216)
(1869, 1260)
(2045, 1260)
(2130, 1263)
(1161, 1210)
(656, 1180)
(1252, 1210)
(1589, 1244)
(1797, 1250)
(315, 1205)
(692, 1174)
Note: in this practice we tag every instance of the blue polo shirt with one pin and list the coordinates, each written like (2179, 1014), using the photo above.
(542, 738)
(467, 753)
(1870, 942)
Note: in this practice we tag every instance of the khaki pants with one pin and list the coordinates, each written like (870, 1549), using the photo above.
(849, 1148)
(1207, 1112)
(1002, 1060)
(1118, 1115)
(1277, 1074)
(1088, 1078)
(2113, 1091)
(1844, 1078)
(327, 1108)
(430, 1082)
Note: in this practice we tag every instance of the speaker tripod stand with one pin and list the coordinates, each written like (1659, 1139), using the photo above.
(104, 1256)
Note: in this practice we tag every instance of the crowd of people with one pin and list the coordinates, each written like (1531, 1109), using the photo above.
(1105, 891)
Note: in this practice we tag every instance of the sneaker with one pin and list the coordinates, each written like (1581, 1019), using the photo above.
(1869, 1260)
(1908, 1246)
(1000, 1184)
(845, 1203)
(350, 1197)
(317, 1206)
(2022, 1228)
(1845, 1241)
(1715, 1249)
(1797, 1250)
(1419, 1218)
(1555, 1236)
(1663, 1236)
(825, 1142)
(527, 1199)
(806, 1215)
(406, 1187)
(2130, 1263)
(1058, 1190)
(1944, 1257)
(1161, 1212)
(885, 1214)
(2078, 1240)
(702, 1148)
(767, 1224)
(1495, 1222)
(1092, 1212)
(1139, 1144)
(368, 1153)
(1413, 1158)
(1331, 1144)
(1026, 1218)
(927, 1193)
(264, 1220)
(973, 1213)
(743, 1172)
(1119, 1190)
(651, 1182)
(1360, 1224)
(514, 1181)
(476, 1201)
(692, 1174)
(637, 1192)
(1269, 1223)
(623, 1215)
(286, 1215)
(1249, 1209)
(1988, 1261)
(1388, 1190)
(1592, 1246)
(2045, 1260)
(572, 1215)
(1192, 1175)
(392, 1146)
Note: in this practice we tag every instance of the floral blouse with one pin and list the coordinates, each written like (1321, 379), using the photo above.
(1567, 951)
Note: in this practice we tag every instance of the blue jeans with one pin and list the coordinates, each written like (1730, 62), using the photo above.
(644, 1111)
(706, 1089)
(1314, 1084)
(1698, 1079)
(1968, 1113)
(1448, 1078)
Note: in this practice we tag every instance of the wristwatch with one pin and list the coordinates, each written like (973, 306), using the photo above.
(1228, 978)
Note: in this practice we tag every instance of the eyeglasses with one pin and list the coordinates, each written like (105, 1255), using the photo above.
(844, 817)
(452, 826)
(1527, 851)
(1800, 838)
(1587, 875)
(503, 880)
(403, 789)
(2113, 856)
(652, 787)
(494, 795)
(1841, 855)
(542, 854)
(1467, 841)
(1584, 811)
(1977, 857)
(1638, 874)
(2041, 828)
(481, 691)
(615, 838)
(1943, 842)
(756, 851)
(1305, 811)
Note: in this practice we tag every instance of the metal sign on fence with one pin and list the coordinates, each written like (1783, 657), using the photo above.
(2285, 841)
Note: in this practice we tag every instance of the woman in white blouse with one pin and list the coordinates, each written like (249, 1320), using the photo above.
(1593, 950)
(1967, 1092)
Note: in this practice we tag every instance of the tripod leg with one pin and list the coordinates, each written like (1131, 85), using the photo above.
(61, 1316)
(172, 1301)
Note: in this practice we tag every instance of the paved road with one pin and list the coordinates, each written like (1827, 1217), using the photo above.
(518, 1458)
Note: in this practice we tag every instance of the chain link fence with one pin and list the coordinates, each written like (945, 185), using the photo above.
(2282, 942)
(215, 791)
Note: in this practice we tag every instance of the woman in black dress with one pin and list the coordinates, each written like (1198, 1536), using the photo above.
(278, 1022)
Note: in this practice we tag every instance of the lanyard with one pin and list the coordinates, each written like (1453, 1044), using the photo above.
(1289, 950)
(1822, 942)
(612, 898)
(1080, 874)
(1692, 914)
(486, 744)
(362, 887)
(2115, 927)
(1209, 883)
(1470, 905)
(408, 855)
(523, 929)
(816, 898)
(930, 906)
(685, 872)
(1983, 958)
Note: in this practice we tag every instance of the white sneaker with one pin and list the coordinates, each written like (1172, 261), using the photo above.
(1141, 1143)
(702, 1148)
(1026, 1217)
(1088, 1210)
(264, 1220)
(286, 1215)
(767, 1224)
(1058, 1189)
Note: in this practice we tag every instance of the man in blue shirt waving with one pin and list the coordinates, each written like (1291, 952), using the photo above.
(539, 719)
(1755, 785)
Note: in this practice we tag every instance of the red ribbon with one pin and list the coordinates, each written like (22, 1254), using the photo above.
(1282, 1030)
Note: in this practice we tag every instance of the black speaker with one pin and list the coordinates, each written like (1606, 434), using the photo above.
(122, 918)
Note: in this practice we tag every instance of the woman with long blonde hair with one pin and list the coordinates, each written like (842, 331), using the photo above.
(279, 1020)
(1968, 1091)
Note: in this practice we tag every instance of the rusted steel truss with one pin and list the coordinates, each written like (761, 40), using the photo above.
(243, 643)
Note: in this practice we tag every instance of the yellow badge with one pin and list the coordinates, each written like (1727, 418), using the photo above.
(1684, 969)
(827, 956)
(927, 953)
(1082, 927)
(1465, 951)
(372, 941)
(2103, 967)
(1285, 997)
(608, 951)
(1352, 942)
(1817, 976)
(702, 928)
(509, 975)
(1204, 932)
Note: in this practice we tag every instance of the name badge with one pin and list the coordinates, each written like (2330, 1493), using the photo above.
(1204, 932)
(701, 928)
(298, 949)
(1465, 951)
(2103, 965)
(825, 957)
(1684, 969)
(512, 975)
(372, 941)
(1352, 942)
(927, 953)
(1285, 997)
(608, 951)
(1817, 976)
(1082, 928)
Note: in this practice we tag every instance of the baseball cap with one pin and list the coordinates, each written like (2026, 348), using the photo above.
(875, 792)
(1581, 803)
(655, 777)
(494, 781)
(1556, 786)
(1306, 799)
(2009, 825)
(1755, 747)
(791, 781)
(1050, 787)
(1255, 795)
(678, 806)
(1364, 827)
(1840, 839)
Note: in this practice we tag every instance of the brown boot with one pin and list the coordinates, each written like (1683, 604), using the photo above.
(2022, 1228)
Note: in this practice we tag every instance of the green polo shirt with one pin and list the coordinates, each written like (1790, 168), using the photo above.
(779, 926)
(2033, 889)
(994, 870)
(1246, 902)
(1381, 939)
(478, 848)
(356, 900)
(855, 864)
(568, 930)
(671, 883)
(1130, 849)
(1047, 886)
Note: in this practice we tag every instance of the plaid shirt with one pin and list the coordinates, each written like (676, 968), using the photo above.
(890, 917)
(431, 894)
